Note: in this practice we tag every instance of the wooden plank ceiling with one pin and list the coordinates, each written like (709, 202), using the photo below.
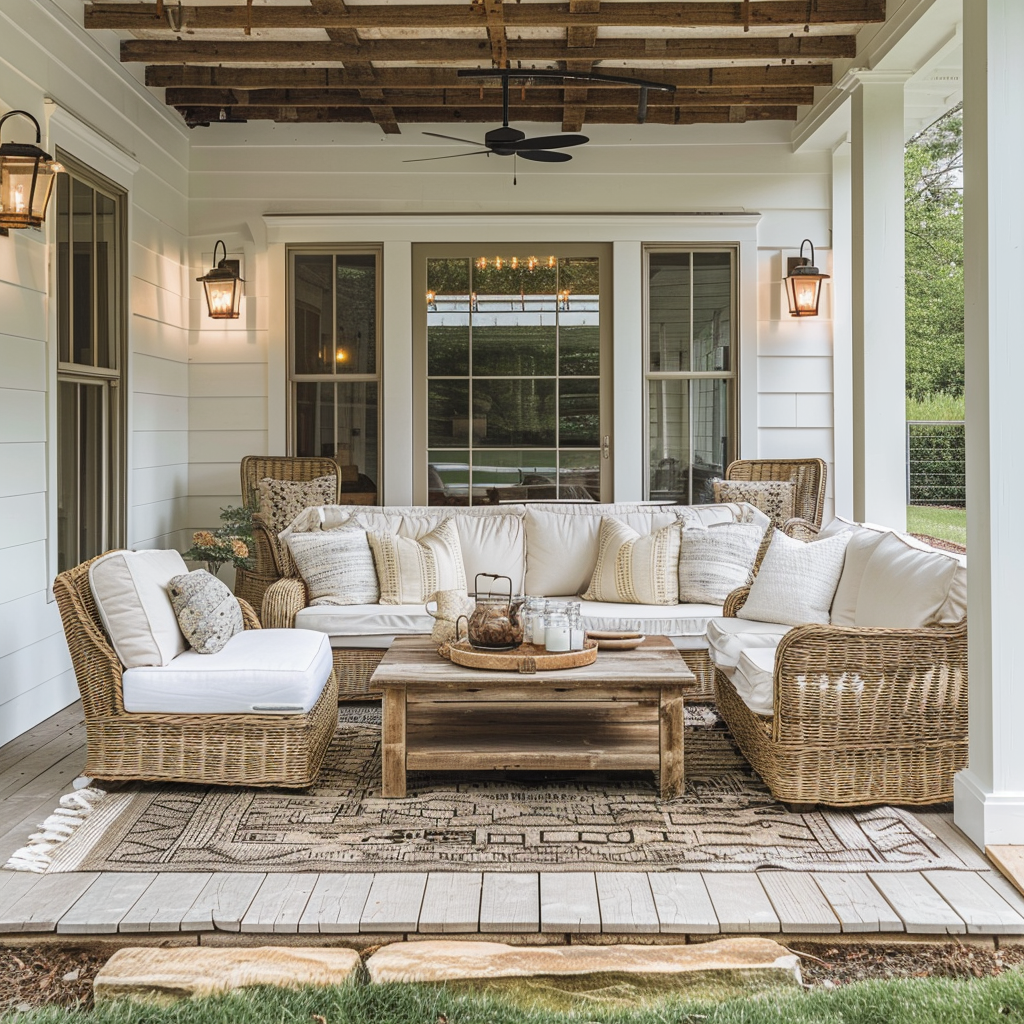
(394, 64)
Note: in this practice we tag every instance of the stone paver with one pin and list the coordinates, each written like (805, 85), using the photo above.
(163, 975)
(558, 976)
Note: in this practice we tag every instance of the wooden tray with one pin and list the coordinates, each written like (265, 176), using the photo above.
(527, 658)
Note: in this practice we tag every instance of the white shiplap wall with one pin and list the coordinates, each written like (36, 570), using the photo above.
(104, 118)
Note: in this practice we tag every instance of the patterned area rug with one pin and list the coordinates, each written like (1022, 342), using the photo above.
(727, 820)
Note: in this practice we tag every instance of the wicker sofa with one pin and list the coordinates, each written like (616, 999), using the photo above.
(547, 549)
(252, 749)
(859, 715)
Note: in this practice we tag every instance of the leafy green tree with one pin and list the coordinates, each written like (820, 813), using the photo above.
(935, 259)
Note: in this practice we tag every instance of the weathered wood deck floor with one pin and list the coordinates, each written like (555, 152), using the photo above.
(36, 768)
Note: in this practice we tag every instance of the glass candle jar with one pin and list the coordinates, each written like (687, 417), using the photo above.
(557, 633)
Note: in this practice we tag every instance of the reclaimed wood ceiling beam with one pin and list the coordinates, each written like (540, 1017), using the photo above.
(494, 11)
(754, 14)
(468, 114)
(775, 76)
(191, 51)
(574, 103)
(241, 98)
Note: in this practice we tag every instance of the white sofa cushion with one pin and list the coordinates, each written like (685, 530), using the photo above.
(728, 638)
(754, 679)
(492, 538)
(336, 565)
(257, 671)
(130, 591)
(861, 546)
(796, 581)
(410, 570)
(715, 560)
(365, 619)
(673, 620)
(902, 586)
(635, 569)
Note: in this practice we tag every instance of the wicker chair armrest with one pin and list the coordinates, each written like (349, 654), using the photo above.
(250, 620)
(735, 601)
(800, 529)
(282, 601)
(847, 684)
(265, 557)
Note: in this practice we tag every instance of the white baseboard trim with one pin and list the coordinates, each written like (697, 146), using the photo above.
(987, 819)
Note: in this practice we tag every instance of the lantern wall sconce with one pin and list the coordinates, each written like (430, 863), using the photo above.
(223, 286)
(803, 283)
(27, 174)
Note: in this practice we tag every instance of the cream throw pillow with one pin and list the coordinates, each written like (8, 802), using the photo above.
(336, 566)
(633, 568)
(715, 560)
(796, 581)
(208, 613)
(130, 591)
(409, 571)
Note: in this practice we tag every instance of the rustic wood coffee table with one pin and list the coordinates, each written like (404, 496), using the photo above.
(623, 712)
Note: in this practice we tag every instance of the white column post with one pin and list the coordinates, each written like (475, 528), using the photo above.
(842, 330)
(879, 360)
(399, 442)
(989, 795)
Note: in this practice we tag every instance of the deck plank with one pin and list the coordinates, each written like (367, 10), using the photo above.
(279, 904)
(39, 735)
(626, 903)
(568, 902)
(682, 902)
(800, 904)
(510, 902)
(740, 902)
(451, 902)
(42, 904)
(859, 906)
(1009, 860)
(1005, 888)
(99, 909)
(223, 902)
(955, 841)
(163, 905)
(336, 904)
(982, 909)
(921, 909)
(394, 901)
(15, 777)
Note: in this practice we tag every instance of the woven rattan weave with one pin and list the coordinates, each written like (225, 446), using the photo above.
(861, 716)
(231, 750)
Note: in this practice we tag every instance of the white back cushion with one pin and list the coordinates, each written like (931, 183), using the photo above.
(130, 591)
(861, 547)
(904, 587)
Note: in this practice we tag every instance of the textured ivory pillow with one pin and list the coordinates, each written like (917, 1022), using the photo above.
(409, 570)
(633, 568)
(208, 613)
(796, 581)
(773, 497)
(715, 560)
(904, 587)
(130, 591)
(282, 500)
(336, 565)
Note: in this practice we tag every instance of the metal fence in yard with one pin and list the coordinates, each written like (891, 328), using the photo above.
(936, 463)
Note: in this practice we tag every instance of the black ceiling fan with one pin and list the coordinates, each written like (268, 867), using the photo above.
(506, 141)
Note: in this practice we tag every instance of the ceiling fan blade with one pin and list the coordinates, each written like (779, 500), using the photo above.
(447, 156)
(549, 142)
(452, 138)
(543, 156)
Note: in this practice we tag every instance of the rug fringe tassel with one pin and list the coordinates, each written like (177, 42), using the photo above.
(60, 826)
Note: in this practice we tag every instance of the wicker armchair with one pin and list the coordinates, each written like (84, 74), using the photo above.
(251, 584)
(861, 716)
(807, 474)
(231, 750)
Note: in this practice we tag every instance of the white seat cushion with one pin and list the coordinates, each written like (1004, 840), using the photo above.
(257, 671)
(130, 591)
(672, 620)
(366, 620)
(728, 638)
(754, 679)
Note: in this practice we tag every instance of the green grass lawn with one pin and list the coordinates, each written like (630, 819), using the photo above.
(947, 523)
(908, 1001)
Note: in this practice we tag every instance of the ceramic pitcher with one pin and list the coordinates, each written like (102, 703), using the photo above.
(446, 606)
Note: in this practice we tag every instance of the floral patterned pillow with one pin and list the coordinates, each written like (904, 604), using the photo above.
(282, 500)
(208, 613)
